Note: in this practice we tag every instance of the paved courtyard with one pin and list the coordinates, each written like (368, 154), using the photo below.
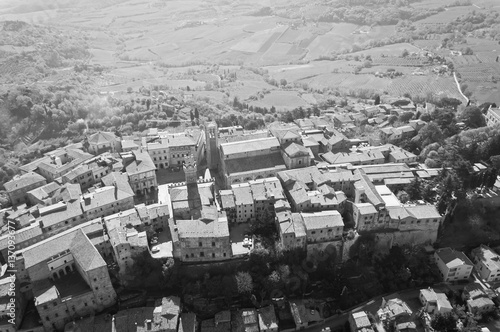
(236, 234)
(164, 248)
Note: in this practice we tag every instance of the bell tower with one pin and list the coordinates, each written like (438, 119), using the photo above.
(190, 170)
(212, 143)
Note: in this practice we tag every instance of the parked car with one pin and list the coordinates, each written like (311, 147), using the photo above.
(247, 240)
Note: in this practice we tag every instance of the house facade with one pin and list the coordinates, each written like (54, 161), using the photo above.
(486, 263)
(453, 265)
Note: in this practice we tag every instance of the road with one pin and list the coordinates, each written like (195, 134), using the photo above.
(334, 322)
(458, 86)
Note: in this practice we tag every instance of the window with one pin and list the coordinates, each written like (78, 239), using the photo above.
(86, 304)
(54, 304)
(57, 315)
(224, 254)
(200, 244)
(313, 232)
(213, 244)
(202, 254)
(213, 255)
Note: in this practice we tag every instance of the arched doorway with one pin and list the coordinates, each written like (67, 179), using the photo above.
(68, 269)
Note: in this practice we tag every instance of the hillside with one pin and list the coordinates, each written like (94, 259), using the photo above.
(30, 53)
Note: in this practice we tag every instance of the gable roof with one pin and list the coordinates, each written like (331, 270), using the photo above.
(75, 241)
(452, 257)
(102, 138)
(23, 181)
(323, 219)
(294, 150)
(250, 146)
(142, 163)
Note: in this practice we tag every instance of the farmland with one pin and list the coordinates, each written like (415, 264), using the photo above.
(281, 100)
(143, 43)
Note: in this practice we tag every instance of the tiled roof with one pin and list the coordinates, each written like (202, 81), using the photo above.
(293, 149)
(426, 211)
(298, 225)
(198, 228)
(361, 320)
(102, 138)
(487, 256)
(142, 163)
(261, 144)
(120, 180)
(103, 197)
(365, 208)
(398, 212)
(480, 302)
(180, 141)
(59, 212)
(448, 255)
(272, 161)
(45, 191)
(85, 253)
(242, 194)
(323, 219)
(75, 240)
(227, 199)
(370, 191)
(23, 181)
(267, 318)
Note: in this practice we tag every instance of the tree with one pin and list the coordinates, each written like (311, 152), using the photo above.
(402, 196)
(405, 117)
(414, 189)
(430, 133)
(196, 113)
(377, 100)
(191, 115)
(142, 125)
(467, 51)
(473, 117)
(244, 282)
(283, 82)
(444, 322)
(405, 53)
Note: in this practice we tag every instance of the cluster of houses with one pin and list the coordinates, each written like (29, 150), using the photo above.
(166, 316)
(479, 298)
(87, 206)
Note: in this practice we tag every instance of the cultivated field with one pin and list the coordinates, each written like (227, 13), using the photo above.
(281, 100)
(422, 85)
(130, 36)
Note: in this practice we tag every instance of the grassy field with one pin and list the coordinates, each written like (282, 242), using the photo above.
(394, 49)
(485, 91)
(341, 37)
(281, 100)
(185, 33)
